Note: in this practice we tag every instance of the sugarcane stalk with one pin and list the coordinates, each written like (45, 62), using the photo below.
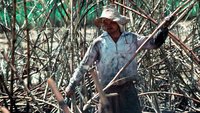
(103, 98)
(188, 51)
(13, 54)
(58, 95)
(28, 46)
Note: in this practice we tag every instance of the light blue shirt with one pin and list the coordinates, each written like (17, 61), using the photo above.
(109, 57)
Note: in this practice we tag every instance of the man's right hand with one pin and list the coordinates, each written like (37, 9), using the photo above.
(168, 20)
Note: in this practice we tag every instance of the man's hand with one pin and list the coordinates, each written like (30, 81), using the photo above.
(168, 20)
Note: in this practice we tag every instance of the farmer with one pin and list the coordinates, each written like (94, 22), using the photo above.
(110, 52)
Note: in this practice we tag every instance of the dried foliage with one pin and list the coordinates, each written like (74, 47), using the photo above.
(41, 39)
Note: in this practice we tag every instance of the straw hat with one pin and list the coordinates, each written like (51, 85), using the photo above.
(110, 12)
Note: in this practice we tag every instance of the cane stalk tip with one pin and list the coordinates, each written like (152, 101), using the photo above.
(49, 80)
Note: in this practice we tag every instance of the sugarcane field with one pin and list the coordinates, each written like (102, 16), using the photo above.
(50, 61)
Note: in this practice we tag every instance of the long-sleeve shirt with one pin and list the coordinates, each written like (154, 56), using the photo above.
(110, 57)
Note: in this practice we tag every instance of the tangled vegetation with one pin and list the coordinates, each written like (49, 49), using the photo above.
(47, 38)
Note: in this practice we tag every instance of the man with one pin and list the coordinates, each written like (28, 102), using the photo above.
(110, 52)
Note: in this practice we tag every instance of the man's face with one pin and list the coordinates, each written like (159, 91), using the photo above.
(110, 26)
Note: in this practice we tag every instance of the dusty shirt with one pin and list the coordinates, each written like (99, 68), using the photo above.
(110, 57)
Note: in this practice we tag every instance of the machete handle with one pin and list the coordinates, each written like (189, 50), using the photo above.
(58, 95)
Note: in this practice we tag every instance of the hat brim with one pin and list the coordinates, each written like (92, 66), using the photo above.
(122, 20)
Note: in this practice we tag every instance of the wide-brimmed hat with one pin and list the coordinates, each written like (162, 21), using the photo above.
(110, 12)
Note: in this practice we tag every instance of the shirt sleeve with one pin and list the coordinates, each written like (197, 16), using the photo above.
(148, 45)
(88, 59)
(156, 41)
